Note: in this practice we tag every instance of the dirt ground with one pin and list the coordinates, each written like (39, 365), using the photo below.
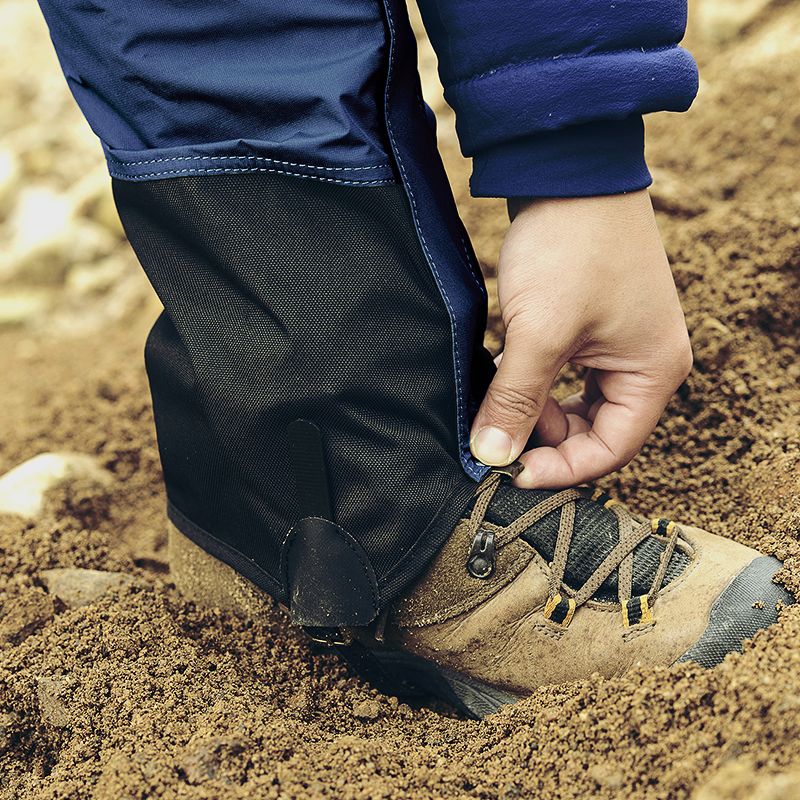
(138, 694)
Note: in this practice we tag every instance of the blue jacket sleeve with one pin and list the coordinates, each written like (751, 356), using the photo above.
(549, 94)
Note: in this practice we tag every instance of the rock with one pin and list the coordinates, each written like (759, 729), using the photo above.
(47, 234)
(95, 278)
(79, 587)
(45, 261)
(24, 615)
(19, 307)
(711, 342)
(672, 196)
(367, 709)
(9, 180)
(92, 198)
(41, 216)
(41, 212)
(723, 21)
(24, 489)
(203, 758)
(53, 709)
(739, 779)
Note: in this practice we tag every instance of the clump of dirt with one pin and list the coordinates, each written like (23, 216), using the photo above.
(139, 694)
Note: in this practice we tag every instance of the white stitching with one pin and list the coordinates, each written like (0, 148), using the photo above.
(250, 158)
(461, 414)
(197, 170)
(639, 630)
(473, 269)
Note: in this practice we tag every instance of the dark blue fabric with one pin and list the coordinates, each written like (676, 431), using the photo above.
(295, 82)
(516, 70)
(183, 87)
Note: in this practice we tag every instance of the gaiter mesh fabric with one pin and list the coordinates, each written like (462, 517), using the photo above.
(288, 298)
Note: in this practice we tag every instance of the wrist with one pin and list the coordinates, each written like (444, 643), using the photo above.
(632, 206)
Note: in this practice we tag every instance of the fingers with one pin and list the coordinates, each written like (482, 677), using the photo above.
(603, 437)
(514, 401)
(552, 427)
(569, 417)
(582, 402)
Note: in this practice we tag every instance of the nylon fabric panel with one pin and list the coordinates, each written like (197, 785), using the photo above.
(299, 81)
(287, 298)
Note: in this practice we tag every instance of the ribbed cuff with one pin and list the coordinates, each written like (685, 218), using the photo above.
(596, 158)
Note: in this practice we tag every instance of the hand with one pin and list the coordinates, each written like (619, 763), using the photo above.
(582, 280)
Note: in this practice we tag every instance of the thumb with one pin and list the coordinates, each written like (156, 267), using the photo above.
(513, 401)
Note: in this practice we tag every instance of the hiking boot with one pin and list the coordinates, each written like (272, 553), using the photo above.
(545, 587)
(535, 588)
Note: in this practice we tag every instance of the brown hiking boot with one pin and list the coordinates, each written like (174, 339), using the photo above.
(544, 587)
(540, 587)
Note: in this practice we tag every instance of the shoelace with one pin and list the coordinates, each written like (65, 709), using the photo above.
(562, 601)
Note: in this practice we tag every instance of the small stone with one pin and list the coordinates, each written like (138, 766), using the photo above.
(24, 489)
(741, 388)
(10, 176)
(724, 21)
(202, 759)
(711, 342)
(366, 709)
(24, 615)
(80, 587)
(95, 278)
(672, 196)
(606, 776)
(19, 307)
(50, 692)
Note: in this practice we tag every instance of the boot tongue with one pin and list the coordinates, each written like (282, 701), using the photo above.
(595, 536)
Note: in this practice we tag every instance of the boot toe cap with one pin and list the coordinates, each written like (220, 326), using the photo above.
(750, 602)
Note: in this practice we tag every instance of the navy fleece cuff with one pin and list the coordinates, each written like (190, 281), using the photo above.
(596, 158)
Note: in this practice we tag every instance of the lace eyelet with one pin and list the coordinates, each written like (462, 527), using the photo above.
(559, 610)
(482, 556)
(637, 611)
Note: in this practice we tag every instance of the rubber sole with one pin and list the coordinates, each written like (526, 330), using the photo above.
(750, 603)
(402, 674)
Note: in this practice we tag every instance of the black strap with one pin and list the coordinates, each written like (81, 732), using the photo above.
(311, 476)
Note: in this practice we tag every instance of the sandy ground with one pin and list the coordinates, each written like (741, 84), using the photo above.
(127, 691)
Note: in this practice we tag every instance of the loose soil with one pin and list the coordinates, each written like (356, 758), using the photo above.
(140, 694)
